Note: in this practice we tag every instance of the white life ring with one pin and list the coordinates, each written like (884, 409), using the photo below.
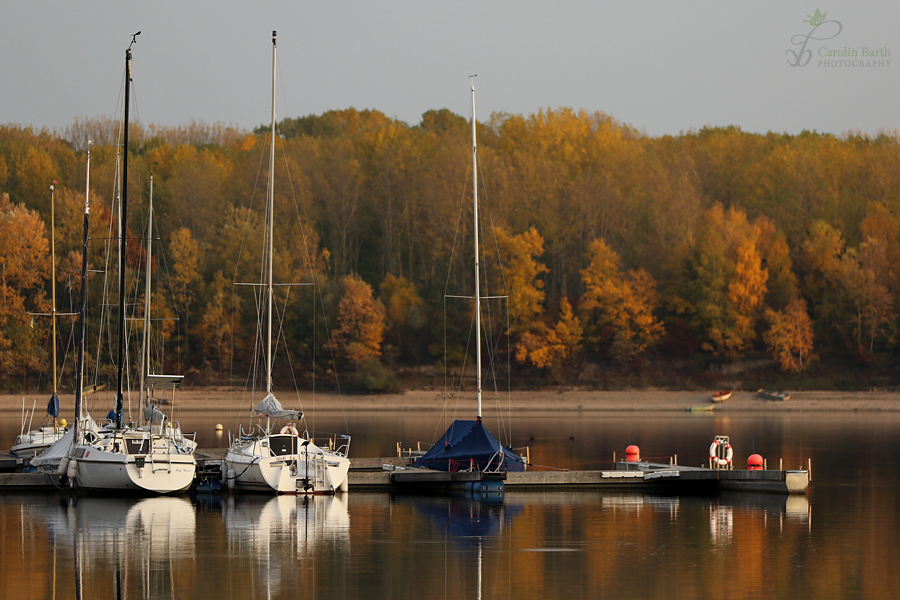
(290, 429)
(722, 462)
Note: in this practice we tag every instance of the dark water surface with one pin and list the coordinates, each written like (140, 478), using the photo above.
(842, 540)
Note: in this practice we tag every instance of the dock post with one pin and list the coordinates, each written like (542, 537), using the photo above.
(670, 461)
(809, 469)
(527, 456)
(614, 459)
(676, 460)
(765, 465)
(399, 452)
(781, 464)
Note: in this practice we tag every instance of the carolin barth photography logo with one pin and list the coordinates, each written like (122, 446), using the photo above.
(824, 29)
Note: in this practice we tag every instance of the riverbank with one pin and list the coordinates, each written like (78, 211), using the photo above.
(228, 401)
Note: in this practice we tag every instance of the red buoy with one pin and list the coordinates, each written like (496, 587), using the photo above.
(754, 462)
(632, 453)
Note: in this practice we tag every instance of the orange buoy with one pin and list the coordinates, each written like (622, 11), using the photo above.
(632, 453)
(754, 462)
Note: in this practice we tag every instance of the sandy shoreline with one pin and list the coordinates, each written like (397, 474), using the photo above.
(199, 400)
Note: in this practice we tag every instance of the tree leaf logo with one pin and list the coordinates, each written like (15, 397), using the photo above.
(816, 19)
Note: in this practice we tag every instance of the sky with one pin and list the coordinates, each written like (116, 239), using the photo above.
(662, 67)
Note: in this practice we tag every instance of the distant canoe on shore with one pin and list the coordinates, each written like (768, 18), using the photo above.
(721, 396)
(771, 395)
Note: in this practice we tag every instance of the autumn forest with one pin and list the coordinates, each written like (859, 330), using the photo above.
(612, 258)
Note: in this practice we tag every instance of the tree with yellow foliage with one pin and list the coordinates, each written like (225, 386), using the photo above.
(623, 302)
(184, 279)
(215, 328)
(725, 281)
(360, 322)
(552, 346)
(518, 256)
(790, 336)
(24, 263)
(402, 304)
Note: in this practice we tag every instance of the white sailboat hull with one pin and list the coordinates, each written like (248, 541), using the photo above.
(160, 471)
(313, 471)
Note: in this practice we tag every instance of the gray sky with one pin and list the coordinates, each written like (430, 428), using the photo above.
(660, 66)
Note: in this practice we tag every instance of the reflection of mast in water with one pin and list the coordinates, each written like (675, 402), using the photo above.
(473, 518)
(113, 538)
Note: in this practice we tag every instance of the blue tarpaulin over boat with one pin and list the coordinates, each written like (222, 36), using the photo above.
(53, 406)
(468, 443)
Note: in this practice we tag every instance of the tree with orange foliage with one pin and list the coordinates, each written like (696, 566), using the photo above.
(24, 265)
(790, 336)
(360, 322)
(725, 281)
(552, 346)
(625, 302)
(746, 290)
(538, 344)
(850, 287)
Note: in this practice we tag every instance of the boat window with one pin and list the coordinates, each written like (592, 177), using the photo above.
(138, 446)
(283, 444)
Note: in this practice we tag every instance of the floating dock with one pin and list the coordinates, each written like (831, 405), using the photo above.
(396, 474)
(651, 477)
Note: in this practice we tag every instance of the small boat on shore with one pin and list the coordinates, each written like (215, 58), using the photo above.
(701, 408)
(772, 395)
(721, 395)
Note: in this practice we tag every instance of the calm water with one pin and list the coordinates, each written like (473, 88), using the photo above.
(840, 541)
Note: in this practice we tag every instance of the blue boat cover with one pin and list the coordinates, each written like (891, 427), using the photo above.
(470, 443)
(53, 406)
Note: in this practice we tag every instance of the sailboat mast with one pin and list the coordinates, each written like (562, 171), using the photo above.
(79, 367)
(477, 277)
(53, 279)
(120, 400)
(270, 216)
(145, 346)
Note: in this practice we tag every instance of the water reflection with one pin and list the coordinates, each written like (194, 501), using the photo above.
(466, 519)
(292, 526)
(277, 539)
(584, 544)
(113, 547)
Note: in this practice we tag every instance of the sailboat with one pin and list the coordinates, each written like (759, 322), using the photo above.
(282, 462)
(126, 458)
(156, 420)
(468, 445)
(31, 443)
(55, 459)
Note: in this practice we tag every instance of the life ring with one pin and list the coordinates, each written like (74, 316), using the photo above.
(714, 455)
(290, 429)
